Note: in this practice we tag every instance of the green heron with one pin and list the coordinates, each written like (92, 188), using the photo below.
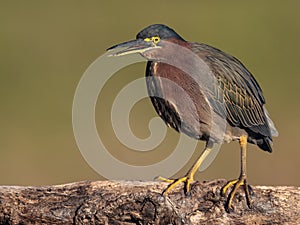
(234, 87)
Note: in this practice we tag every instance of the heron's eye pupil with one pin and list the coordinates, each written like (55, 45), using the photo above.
(155, 40)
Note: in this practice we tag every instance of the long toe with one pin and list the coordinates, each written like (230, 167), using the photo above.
(236, 185)
(174, 184)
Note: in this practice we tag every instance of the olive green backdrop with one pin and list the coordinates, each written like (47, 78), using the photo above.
(45, 47)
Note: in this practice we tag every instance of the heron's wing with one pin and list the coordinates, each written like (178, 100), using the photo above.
(236, 88)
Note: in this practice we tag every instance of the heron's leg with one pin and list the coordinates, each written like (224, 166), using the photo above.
(189, 177)
(241, 181)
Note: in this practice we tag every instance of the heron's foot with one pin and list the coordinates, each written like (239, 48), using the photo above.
(174, 182)
(240, 182)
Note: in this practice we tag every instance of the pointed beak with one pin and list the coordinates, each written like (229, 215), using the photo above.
(130, 47)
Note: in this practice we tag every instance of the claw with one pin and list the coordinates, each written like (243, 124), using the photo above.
(173, 183)
(227, 186)
(189, 177)
(159, 178)
(236, 184)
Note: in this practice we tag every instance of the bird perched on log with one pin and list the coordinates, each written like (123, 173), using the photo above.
(194, 88)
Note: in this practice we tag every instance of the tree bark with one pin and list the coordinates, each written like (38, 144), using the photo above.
(132, 202)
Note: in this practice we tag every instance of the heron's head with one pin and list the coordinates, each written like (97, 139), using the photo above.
(150, 42)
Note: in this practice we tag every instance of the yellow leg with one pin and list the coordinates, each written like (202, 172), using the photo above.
(241, 181)
(189, 177)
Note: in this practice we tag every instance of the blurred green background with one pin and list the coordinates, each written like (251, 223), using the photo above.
(45, 47)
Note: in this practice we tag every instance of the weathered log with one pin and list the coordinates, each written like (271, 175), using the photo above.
(131, 202)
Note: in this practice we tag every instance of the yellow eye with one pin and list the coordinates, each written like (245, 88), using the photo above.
(155, 39)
